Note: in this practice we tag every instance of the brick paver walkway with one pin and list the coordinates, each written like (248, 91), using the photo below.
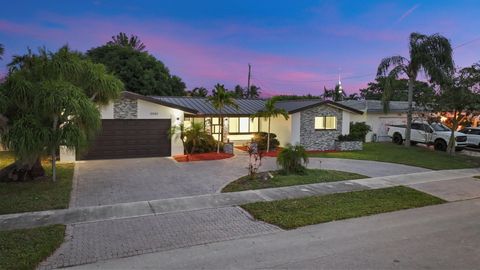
(96, 241)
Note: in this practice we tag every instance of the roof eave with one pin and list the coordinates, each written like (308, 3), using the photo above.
(131, 95)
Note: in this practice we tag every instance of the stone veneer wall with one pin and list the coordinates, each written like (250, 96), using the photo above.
(322, 140)
(125, 108)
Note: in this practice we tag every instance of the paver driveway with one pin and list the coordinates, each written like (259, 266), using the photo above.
(102, 182)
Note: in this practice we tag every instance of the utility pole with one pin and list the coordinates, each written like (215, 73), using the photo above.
(248, 84)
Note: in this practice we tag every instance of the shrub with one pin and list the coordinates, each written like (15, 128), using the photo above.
(204, 143)
(348, 138)
(358, 131)
(261, 139)
(292, 158)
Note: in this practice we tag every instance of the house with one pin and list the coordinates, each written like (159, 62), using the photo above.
(137, 126)
(374, 116)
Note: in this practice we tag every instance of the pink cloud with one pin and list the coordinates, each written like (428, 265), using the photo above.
(192, 54)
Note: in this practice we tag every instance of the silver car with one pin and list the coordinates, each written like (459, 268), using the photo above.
(473, 136)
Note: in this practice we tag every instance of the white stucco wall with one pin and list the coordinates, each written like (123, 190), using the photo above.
(149, 110)
(106, 111)
(345, 122)
(295, 127)
(378, 123)
(281, 127)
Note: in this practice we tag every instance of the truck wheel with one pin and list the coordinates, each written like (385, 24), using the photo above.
(397, 139)
(440, 145)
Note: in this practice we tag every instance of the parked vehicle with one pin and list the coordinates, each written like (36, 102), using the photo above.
(435, 134)
(473, 136)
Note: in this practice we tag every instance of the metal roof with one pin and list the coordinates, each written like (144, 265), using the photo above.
(204, 107)
(377, 106)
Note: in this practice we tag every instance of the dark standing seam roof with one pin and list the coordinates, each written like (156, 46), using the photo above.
(246, 107)
(377, 106)
(204, 107)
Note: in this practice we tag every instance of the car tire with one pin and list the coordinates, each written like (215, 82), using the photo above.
(397, 139)
(440, 145)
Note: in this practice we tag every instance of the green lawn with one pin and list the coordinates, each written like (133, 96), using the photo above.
(279, 180)
(415, 156)
(293, 213)
(36, 195)
(26, 248)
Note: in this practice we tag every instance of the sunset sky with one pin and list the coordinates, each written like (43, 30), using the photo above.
(295, 47)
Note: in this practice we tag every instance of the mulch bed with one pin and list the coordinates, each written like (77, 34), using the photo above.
(202, 156)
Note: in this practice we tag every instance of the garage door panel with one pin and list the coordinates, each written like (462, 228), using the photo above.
(131, 138)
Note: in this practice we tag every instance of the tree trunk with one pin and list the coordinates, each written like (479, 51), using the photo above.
(54, 151)
(268, 135)
(37, 169)
(408, 130)
(451, 141)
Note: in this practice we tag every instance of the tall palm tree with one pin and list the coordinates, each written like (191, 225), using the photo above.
(2, 50)
(220, 99)
(431, 54)
(124, 41)
(267, 113)
(51, 101)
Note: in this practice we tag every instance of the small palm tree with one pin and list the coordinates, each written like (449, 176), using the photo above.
(220, 99)
(124, 41)
(430, 54)
(267, 113)
(292, 158)
(194, 135)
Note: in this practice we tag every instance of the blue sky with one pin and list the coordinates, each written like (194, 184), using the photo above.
(295, 47)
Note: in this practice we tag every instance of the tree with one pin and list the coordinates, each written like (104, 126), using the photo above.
(267, 113)
(2, 51)
(198, 92)
(459, 97)
(51, 101)
(333, 94)
(353, 96)
(430, 54)
(220, 99)
(295, 97)
(239, 92)
(123, 40)
(141, 72)
(423, 93)
(253, 92)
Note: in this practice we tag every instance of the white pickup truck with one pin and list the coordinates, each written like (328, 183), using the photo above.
(435, 134)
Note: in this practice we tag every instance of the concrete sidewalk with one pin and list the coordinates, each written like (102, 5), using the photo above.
(155, 207)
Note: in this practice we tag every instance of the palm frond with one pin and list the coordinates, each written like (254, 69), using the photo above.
(391, 62)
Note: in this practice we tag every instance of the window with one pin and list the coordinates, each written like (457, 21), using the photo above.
(326, 122)
(242, 125)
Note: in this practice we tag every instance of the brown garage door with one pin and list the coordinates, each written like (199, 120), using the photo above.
(131, 139)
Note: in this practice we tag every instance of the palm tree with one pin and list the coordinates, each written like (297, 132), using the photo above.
(2, 50)
(267, 113)
(123, 40)
(220, 99)
(253, 92)
(430, 54)
(198, 92)
(51, 101)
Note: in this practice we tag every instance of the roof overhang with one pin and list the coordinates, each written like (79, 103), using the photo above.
(131, 95)
(328, 103)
